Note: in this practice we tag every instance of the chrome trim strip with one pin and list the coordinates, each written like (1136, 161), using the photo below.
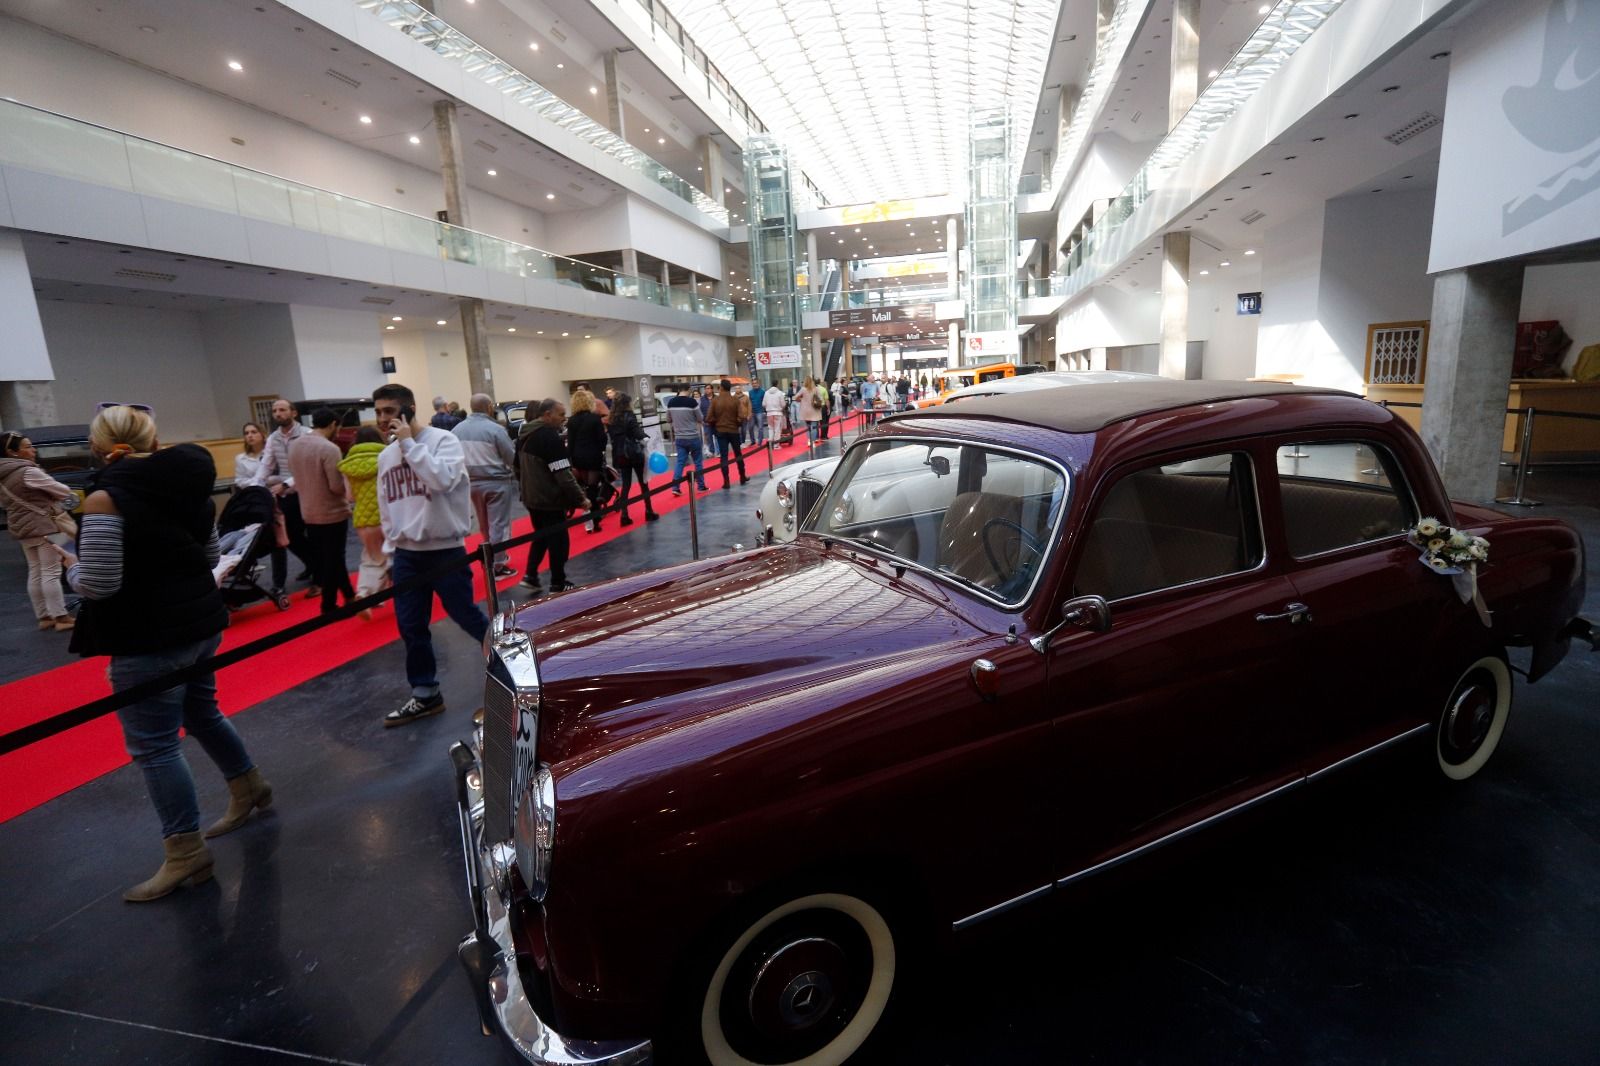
(1317, 775)
(1001, 908)
(1179, 834)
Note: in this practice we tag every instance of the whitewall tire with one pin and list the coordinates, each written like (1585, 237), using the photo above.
(1473, 719)
(804, 985)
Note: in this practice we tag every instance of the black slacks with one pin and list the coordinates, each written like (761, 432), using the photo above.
(327, 562)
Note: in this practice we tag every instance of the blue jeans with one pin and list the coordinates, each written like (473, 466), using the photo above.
(150, 730)
(689, 450)
(413, 611)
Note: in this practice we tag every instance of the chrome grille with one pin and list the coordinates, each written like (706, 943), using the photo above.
(806, 494)
(499, 735)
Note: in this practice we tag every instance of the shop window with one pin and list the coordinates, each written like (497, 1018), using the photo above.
(1339, 493)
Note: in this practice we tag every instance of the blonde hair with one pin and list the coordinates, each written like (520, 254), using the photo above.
(811, 382)
(582, 400)
(114, 426)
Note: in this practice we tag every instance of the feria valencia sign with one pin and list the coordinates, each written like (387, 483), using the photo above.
(779, 358)
(995, 342)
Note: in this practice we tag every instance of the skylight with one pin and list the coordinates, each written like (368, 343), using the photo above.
(872, 97)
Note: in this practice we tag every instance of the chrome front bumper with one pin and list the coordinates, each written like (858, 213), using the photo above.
(490, 957)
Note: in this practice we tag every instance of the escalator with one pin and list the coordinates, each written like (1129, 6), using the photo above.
(839, 345)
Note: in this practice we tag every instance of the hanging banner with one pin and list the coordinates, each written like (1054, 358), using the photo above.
(880, 316)
(779, 358)
(987, 345)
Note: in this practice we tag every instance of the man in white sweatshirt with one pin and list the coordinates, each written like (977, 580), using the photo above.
(425, 504)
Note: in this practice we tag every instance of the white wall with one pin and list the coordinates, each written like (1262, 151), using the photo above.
(594, 229)
(61, 75)
(1108, 317)
(526, 368)
(251, 352)
(1569, 293)
(158, 357)
(339, 351)
(434, 363)
(1230, 353)
(655, 232)
(1374, 268)
(1290, 336)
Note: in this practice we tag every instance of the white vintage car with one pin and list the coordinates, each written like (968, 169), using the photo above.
(788, 497)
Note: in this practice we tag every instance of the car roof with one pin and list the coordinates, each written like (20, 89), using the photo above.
(1049, 379)
(1088, 410)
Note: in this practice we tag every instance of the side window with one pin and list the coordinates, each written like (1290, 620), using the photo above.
(1339, 493)
(1171, 525)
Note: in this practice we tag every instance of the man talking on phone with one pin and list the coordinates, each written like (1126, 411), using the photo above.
(425, 505)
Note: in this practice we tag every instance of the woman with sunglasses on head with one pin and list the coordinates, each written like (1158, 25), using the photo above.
(147, 547)
(33, 499)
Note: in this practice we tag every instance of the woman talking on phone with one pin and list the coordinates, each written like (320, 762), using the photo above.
(147, 544)
(32, 500)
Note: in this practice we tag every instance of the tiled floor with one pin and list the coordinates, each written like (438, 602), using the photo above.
(1374, 919)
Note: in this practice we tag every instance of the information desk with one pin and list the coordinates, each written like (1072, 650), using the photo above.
(1553, 438)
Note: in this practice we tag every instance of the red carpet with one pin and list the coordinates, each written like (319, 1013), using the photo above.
(42, 771)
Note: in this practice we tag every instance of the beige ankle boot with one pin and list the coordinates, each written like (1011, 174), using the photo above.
(246, 793)
(188, 859)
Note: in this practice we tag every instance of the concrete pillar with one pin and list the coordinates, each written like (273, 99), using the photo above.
(1103, 10)
(1066, 104)
(952, 234)
(1470, 337)
(630, 262)
(953, 354)
(614, 116)
(27, 403)
(1184, 85)
(816, 353)
(666, 283)
(813, 265)
(1097, 359)
(711, 169)
(474, 330)
(1175, 305)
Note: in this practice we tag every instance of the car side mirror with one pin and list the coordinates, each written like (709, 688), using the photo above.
(940, 464)
(1088, 612)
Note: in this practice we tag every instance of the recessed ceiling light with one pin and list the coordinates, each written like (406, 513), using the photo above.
(549, 196)
(234, 64)
(396, 318)
(590, 337)
(566, 334)
(661, 140)
(1204, 272)
(1249, 251)
(594, 90)
(511, 329)
(539, 331)
(152, 29)
(492, 173)
(388, 327)
(1262, 10)
(561, 66)
(533, 45)
(414, 139)
(1213, 73)
(441, 322)
(366, 120)
(1225, 263)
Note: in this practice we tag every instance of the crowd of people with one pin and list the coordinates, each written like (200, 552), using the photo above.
(144, 554)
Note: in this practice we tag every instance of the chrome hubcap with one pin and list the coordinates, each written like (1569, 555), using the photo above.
(1467, 722)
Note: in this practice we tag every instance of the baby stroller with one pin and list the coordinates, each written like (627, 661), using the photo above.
(245, 530)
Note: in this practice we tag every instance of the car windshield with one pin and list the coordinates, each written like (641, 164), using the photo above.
(58, 458)
(981, 517)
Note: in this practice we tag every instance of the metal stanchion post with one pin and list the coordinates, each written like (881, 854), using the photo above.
(771, 473)
(491, 595)
(1524, 454)
(694, 524)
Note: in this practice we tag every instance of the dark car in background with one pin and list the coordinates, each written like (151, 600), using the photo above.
(64, 454)
(349, 412)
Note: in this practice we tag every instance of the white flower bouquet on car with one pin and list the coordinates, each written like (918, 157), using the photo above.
(1454, 553)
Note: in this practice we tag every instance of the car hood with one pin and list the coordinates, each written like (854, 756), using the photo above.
(649, 651)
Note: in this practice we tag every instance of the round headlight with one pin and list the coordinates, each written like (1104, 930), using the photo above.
(785, 494)
(844, 510)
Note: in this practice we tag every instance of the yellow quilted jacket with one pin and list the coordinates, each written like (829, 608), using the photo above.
(360, 465)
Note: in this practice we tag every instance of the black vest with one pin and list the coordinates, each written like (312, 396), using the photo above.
(168, 597)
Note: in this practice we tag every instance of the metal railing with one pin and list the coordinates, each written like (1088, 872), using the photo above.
(1524, 461)
(36, 139)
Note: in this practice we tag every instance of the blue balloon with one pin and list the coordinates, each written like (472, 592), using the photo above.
(658, 463)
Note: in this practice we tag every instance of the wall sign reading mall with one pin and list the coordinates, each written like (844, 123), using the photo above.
(880, 316)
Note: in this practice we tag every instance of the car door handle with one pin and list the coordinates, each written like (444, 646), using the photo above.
(1294, 612)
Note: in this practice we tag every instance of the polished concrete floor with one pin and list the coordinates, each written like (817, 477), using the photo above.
(1378, 919)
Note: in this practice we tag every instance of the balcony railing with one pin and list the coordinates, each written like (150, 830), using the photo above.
(437, 35)
(890, 297)
(43, 141)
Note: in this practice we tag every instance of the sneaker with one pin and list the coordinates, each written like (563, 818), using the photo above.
(562, 586)
(504, 570)
(651, 516)
(702, 487)
(413, 709)
(677, 492)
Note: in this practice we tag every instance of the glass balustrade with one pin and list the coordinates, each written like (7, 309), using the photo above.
(438, 36)
(837, 301)
(38, 140)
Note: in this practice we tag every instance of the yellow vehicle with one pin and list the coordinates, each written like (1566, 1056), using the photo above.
(959, 377)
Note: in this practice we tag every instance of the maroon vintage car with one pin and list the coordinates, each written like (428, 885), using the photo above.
(1019, 641)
